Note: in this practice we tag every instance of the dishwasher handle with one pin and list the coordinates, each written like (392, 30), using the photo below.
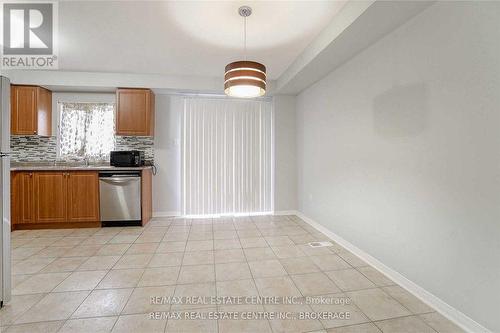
(119, 180)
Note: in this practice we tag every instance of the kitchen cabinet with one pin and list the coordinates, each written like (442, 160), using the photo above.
(135, 112)
(83, 196)
(31, 110)
(22, 198)
(146, 195)
(50, 196)
(64, 199)
(52, 199)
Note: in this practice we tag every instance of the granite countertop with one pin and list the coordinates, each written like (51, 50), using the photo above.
(47, 166)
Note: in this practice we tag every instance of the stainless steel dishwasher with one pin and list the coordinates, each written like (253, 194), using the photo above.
(120, 197)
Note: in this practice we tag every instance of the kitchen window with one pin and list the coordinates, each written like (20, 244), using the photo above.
(86, 131)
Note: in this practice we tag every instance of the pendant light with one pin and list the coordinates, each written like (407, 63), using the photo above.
(245, 78)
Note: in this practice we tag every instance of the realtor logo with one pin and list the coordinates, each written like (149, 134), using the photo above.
(29, 35)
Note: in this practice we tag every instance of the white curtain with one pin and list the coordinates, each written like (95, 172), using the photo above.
(86, 130)
(227, 156)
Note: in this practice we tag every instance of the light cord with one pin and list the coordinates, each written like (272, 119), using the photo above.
(245, 38)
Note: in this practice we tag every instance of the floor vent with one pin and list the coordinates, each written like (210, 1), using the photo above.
(320, 244)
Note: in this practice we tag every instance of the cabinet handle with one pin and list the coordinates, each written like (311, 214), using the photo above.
(34, 132)
(31, 174)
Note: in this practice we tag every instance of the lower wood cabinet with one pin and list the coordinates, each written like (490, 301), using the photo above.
(22, 198)
(83, 196)
(51, 197)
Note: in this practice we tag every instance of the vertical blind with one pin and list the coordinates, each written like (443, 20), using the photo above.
(227, 156)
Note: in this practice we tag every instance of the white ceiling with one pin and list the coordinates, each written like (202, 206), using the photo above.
(185, 38)
(160, 45)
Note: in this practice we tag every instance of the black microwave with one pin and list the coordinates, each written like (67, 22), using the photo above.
(128, 158)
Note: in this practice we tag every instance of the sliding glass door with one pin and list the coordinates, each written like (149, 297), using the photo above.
(227, 156)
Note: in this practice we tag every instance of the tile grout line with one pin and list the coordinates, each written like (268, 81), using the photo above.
(138, 281)
(257, 289)
(177, 279)
(109, 270)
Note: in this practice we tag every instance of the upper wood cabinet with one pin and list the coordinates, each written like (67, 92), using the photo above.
(31, 110)
(135, 112)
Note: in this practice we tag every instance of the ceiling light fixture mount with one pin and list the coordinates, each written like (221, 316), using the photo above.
(245, 78)
(245, 11)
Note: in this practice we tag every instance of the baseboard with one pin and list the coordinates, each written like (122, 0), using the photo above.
(178, 214)
(286, 212)
(55, 225)
(440, 306)
(166, 214)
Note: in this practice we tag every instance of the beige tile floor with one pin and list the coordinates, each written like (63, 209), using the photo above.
(102, 280)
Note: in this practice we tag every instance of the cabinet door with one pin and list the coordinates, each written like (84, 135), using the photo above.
(134, 114)
(83, 196)
(23, 110)
(44, 111)
(50, 192)
(146, 195)
(22, 200)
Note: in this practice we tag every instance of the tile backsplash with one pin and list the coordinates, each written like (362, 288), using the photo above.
(144, 143)
(35, 148)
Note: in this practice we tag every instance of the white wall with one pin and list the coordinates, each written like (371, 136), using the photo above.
(285, 175)
(167, 182)
(399, 153)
